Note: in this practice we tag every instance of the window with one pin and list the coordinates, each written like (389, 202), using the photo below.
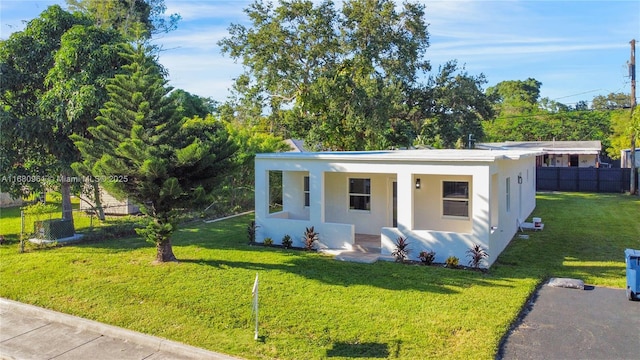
(508, 185)
(306, 191)
(360, 194)
(455, 198)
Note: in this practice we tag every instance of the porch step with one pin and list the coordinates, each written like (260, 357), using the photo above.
(359, 257)
(366, 248)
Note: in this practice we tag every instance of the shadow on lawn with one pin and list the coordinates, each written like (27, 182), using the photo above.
(385, 275)
(364, 350)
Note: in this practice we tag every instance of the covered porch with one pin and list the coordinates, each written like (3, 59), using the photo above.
(361, 202)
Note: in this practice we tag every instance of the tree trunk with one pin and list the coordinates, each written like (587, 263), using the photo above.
(165, 251)
(97, 200)
(65, 191)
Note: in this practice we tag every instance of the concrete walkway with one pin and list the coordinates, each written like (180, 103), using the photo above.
(30, 332)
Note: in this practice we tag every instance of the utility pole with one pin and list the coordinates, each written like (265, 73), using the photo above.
(632, 74)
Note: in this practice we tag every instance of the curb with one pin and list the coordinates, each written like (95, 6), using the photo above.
(157, 343)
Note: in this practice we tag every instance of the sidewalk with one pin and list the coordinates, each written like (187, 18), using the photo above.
(30, 332)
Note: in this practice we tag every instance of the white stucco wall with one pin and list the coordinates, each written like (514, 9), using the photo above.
(419, 213)
(337, 202)
(293, 198)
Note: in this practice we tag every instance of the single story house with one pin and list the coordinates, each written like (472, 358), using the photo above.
(555, 153)
(440, 200)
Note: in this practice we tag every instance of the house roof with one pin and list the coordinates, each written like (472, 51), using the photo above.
(547, 147)
(448, 155)
(296, 145)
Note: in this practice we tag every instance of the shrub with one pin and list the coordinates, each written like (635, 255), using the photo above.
(477, 254)
(268, 241)
(427, 257)
(286, 241)
(452, 262)
(251, 231)
(310, 238)
(401, 251)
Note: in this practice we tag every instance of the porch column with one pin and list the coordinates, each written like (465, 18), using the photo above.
(481, 206)
(261, 190)
(316, 191)
(405, 200)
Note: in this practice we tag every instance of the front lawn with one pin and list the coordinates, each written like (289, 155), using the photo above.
(313, 307)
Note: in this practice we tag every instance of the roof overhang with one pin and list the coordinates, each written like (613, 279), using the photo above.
(421, 156)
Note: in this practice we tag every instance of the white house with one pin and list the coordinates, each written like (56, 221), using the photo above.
(555, 153)
(440, 200)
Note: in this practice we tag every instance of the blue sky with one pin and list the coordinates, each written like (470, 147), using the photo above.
(577, 49)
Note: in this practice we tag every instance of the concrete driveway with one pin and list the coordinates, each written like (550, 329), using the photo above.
(563, 323)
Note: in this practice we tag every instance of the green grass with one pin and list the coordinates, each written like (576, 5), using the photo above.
(10, 222)
(313, 307)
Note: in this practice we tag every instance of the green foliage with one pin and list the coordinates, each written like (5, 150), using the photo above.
(451, 107)
(621, 129)
(335, 78)
(125, 15)
(190, 106)
(163, 162)
(427, 257)
(452, 262)
(236, 192)
(251, 231)
(286, 241)
(33, 142)
(401, 249)
(310, 238)
(39, 209)
(476, 254)
(268, 241)
(613, 101)
(515, 96)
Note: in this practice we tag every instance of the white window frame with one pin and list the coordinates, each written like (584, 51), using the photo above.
(463, 198)
(367, 196)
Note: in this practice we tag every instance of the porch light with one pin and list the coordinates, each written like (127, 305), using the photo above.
(519, 179)
(418, 183)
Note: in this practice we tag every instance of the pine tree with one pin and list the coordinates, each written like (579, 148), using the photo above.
(143, 150)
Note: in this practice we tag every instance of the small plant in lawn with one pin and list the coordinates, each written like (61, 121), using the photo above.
(452, 262)
(427, 257)
(477, 254)
(251, 231)
(268, 241)
(286, 241)
(401, 251)
(310, 238)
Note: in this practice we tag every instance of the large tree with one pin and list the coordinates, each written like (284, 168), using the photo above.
(515, 96)
(449, 111)
(336, 78)
(149, 153)
(126, 15)
(33, 142)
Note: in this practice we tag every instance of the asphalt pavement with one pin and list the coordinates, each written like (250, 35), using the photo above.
(32, 333)
(564, 323)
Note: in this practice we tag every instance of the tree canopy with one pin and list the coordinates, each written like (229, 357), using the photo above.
(333, 77)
